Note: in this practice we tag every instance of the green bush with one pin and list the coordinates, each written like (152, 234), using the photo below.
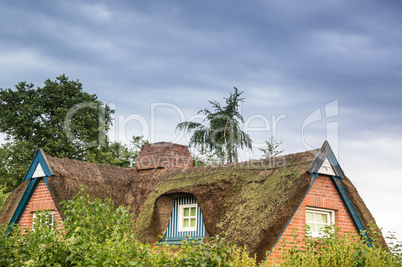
(97, 234)
(216, 252)
(336, 248)
(25, 247)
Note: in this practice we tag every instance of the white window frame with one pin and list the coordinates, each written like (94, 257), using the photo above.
(181, 228)
(330, 216)
(51, 213)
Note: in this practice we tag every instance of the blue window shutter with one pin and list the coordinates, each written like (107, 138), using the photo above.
(173, 235)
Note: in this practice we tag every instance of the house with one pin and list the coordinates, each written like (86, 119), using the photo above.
(256, 203)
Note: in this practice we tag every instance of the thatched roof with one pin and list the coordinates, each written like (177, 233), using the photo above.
(12, 202)
(250, 201)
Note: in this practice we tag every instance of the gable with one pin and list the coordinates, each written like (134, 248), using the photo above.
(326, 163)
(40, 200)
(39, 167)
(38, 170)
(324, 195)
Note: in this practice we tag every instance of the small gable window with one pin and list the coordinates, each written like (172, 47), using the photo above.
(318, 219)
(188, 217)
(185, 223)
(46, 219)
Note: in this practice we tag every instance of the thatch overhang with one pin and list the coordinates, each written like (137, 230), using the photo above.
(12, 202)
(251, 201)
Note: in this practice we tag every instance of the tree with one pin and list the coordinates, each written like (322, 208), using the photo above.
(15, 158)
(206, 158)
(3, 196)
(222, 134)
(272, 148)
(118, 154)
(60, 118)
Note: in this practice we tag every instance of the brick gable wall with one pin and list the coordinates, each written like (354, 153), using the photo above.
(40, 200)
(322, 194)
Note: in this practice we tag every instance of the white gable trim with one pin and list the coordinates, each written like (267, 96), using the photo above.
(326, 168)
(38, 173)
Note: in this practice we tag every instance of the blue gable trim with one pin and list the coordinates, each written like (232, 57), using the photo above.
(46, 182)
(326, 153)
(352, 212)
(313, 177)
(33, 183)
(40, 158)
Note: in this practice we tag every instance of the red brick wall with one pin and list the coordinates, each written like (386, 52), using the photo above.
(322, 194)
(40, 200)
(163, 155)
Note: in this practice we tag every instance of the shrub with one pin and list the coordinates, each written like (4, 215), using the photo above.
(335, 248)
(99, 234)
(95, 233)
(25, 247)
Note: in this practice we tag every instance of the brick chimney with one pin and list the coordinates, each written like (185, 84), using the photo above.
(163, 155)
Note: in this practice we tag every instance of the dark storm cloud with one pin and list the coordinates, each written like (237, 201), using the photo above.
(290, 57)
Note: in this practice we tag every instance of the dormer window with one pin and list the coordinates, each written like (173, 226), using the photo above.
(185, 222)
(188, 217)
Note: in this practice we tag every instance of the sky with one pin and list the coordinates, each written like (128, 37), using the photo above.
(309, 71)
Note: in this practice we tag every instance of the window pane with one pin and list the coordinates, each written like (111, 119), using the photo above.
(321, 218)
(193, 212)
(309, 216)
(186, 212)
(185, 222)
(312, 227)
(192, 222)
(320, 228)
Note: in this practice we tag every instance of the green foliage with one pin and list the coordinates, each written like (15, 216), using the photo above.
(216, 252)
(206, 158)
(223, 134)
(3, 196)
(63, 120)
(336, 248)
(40, 116)
(272, 148)
(42, 247)
(59, 117)
(95, 233)
(118, 154)
(15, 158)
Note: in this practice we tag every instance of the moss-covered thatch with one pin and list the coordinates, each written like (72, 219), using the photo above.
(251, 201)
